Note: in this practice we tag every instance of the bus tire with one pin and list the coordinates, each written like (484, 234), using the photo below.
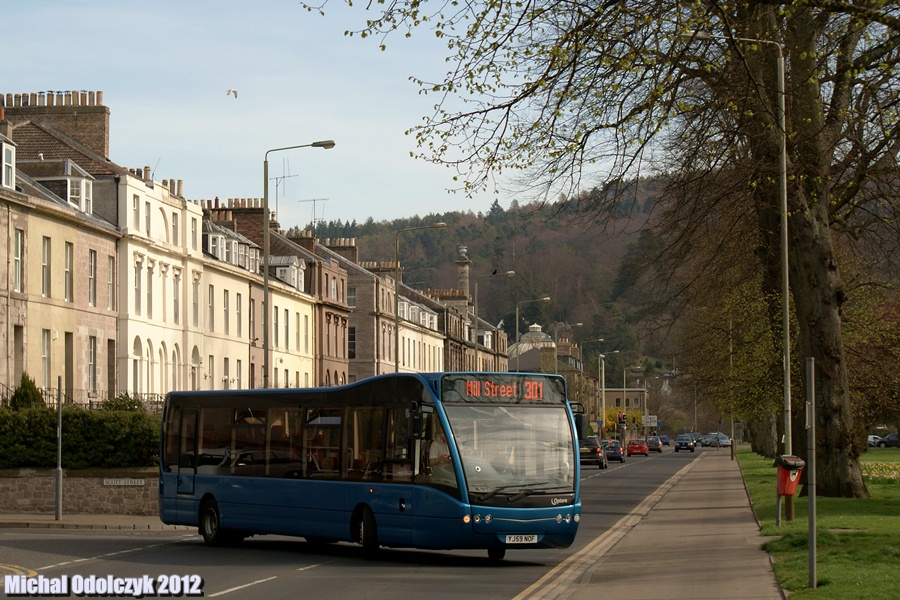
(211, 524)
(497, 552)
(368, 532)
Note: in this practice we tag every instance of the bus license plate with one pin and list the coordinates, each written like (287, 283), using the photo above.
(522, 539)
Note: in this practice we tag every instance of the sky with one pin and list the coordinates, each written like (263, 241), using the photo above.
(165, 67)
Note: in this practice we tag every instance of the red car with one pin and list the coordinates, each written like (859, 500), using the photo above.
(638, 446)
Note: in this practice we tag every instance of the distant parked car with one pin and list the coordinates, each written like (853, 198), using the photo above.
(706, 440)
(723, 441)
(654, 444)
(614, 450)
(665, 440)
(685, 441)
(888, 441)
(637, 446)
(872, 442)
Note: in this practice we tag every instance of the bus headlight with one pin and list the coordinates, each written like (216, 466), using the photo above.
(478, 518)
(467, 519)
(568, 518)
(488, 518)
(577, 518)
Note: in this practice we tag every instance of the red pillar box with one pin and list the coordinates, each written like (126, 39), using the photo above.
(789, 469)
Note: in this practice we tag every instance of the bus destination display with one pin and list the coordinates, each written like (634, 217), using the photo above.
(503, 389)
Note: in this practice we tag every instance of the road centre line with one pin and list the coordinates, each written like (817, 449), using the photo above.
(246, 585)
(99, 556)
(307, 567)
(557, 582)
(240, 587)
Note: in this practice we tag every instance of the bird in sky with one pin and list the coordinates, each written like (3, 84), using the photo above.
(232, 91)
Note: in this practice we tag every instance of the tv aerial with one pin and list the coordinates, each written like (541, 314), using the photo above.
(314, 218)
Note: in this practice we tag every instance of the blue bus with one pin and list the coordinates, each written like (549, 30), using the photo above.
(425, 460)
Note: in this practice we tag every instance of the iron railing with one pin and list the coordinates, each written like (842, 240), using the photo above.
(95, 399)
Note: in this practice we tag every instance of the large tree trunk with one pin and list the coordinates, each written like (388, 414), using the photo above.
(816, 285)
(818, 296)
(763, 436)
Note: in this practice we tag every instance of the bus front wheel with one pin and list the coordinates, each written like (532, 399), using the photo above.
(497, 552)
(368, 532)
(211, 525)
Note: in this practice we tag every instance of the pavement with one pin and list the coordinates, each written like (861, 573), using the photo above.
(695, 538)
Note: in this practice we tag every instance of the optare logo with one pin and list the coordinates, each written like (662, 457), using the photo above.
(558, 501)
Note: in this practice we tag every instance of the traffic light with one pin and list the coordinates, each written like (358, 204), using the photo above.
(621, 418)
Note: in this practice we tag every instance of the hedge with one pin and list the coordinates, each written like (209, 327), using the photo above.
(91, 438)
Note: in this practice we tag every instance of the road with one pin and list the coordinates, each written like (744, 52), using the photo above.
(281, 567)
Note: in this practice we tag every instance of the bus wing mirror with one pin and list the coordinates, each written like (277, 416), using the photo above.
(417, 414)
(415, 420)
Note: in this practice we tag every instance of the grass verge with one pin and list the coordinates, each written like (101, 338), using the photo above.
(858, 541)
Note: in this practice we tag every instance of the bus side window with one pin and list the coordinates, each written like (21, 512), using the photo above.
(398, 465)
(364, 435)
(322, 434)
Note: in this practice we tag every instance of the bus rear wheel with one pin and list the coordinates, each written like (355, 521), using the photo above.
(368, 532)
(497, 552)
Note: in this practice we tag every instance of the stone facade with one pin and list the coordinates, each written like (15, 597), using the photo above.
(116, 492)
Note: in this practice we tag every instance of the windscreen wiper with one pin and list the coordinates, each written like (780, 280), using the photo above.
(496, 491)
(526, 493)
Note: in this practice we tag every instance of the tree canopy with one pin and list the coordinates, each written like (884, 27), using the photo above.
(557, 96)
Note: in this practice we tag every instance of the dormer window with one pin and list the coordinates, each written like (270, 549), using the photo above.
(75, 193)
(253, 256)
(88, 205)
(9, 164)
(80, 194)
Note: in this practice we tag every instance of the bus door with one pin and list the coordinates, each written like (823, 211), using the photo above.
(187, 452)
(395, 504)
(178, 461)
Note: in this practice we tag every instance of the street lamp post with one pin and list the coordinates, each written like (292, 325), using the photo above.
(518, 304)
(327, 145)
(506, 274)
(397, 287)
(782, 193)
